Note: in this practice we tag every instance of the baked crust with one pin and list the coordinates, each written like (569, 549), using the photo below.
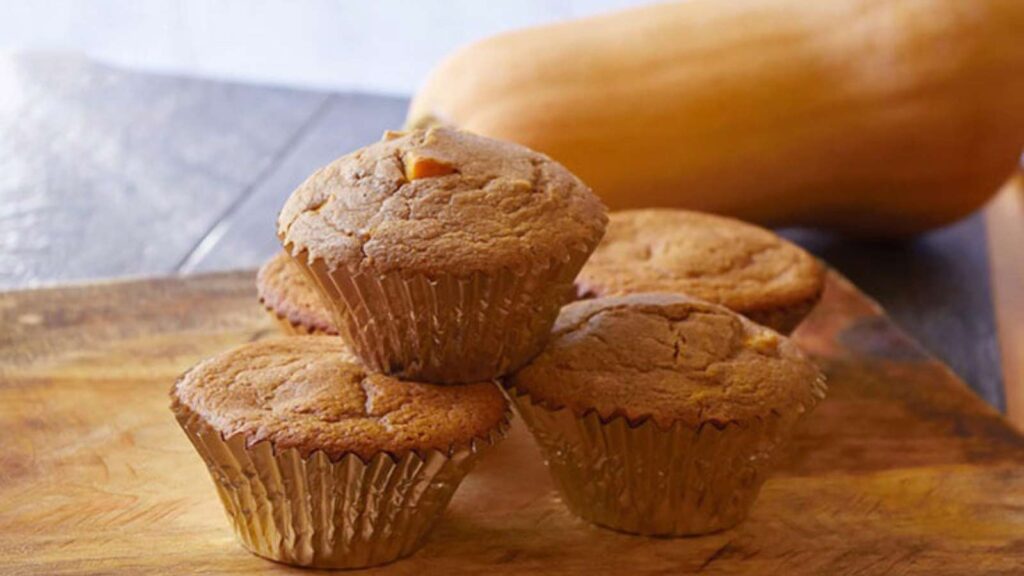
(286, 292)
(309, 393)
(741, 266)
(670, 358)
(441, 201)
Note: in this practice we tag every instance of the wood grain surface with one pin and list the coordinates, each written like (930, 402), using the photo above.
(902, 470)
(936, 286)
(105, 173)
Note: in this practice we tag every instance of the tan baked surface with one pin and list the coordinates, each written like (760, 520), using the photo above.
(308, 392)
(721, 260)
(285, 290)
(503, 206)
(668, 357)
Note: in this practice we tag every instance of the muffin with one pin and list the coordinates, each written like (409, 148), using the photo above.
(321, 463)
(291, 298)
(445, 256)
(659, 414)
(743, 267)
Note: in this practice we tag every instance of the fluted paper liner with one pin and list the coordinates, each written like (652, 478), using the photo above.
(641, 478)
(448, 328)
(316, 512)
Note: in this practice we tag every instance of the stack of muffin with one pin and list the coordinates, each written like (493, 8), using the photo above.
(424, 273)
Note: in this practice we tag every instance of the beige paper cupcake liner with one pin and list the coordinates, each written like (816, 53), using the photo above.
(645, 479)
(316, 512)
(450, 328)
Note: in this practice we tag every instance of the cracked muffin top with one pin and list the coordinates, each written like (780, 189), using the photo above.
(441, 200)
(738, 265)
(670, 358)
(284, 289)
(309, 393)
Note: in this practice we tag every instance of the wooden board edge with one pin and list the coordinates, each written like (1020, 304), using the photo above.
(1004, 218)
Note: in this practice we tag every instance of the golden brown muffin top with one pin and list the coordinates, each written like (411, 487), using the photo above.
(441, 200)
(738, 265)
(670, 358)
(309, 393)
(285, 290)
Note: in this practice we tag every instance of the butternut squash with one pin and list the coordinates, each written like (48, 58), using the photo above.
(876, 117)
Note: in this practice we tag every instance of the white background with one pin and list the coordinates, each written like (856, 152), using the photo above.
(377, 46)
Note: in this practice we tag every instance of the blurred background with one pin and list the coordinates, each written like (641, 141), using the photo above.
(156, 137)
(382, 46)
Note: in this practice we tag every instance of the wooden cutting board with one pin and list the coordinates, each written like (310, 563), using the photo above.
(901, 470)
(1004, 223)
